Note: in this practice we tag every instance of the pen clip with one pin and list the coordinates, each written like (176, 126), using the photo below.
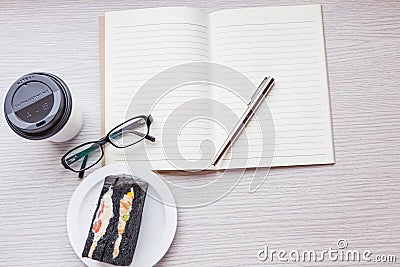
(260, 87)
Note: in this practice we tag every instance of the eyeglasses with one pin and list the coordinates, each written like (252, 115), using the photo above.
(124, 135)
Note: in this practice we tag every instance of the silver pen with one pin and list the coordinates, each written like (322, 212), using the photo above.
(256, 100)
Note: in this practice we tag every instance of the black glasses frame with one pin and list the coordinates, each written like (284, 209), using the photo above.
(102, 141)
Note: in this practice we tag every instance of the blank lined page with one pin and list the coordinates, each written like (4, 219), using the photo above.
(287, 43)
(140, 44)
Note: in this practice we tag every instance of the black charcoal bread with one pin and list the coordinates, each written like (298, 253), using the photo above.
(94, 248)
(129, 201)
(118, 239)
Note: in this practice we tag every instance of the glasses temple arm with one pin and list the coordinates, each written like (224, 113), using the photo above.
(84, 162)
(150, 138)
(119, 133)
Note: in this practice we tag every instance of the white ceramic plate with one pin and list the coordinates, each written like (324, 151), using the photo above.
(159, 220)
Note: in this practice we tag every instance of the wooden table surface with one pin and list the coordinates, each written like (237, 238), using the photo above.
(357, 199)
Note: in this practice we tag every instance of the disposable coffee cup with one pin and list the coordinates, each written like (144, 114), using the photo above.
(39, 106)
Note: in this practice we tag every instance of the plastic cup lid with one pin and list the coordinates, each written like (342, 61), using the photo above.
(37, 105)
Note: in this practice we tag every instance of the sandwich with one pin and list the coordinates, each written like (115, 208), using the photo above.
(114, 231)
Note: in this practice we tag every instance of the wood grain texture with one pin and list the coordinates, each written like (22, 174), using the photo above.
(311, 207)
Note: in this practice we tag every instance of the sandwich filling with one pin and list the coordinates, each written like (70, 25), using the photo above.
(104, 214)
(125, 207)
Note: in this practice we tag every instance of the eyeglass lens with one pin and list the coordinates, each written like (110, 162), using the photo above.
(84, 157)
(129, 133)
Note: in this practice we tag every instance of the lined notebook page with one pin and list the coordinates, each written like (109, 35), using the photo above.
(138, 45)
(287, 43)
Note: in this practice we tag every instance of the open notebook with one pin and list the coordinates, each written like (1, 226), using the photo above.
(284, 42)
